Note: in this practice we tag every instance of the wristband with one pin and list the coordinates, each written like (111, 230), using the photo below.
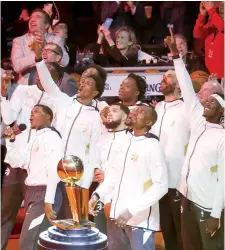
(176, 56)
(38, 60)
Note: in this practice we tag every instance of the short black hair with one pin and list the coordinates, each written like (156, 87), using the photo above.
(99, 85)
(46, 110)
(102, 73)
(124, 108)
(141, 84)
(47, 17)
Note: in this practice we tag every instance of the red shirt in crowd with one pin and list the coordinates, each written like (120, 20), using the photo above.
(213, 33)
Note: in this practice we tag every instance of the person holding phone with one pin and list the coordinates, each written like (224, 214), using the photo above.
(122, 52)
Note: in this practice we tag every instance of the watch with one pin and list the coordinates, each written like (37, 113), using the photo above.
(175, 56)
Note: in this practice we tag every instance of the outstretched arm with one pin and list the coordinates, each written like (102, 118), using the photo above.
(192, 104)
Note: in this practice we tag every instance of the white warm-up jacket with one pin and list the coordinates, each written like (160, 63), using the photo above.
(172, 128)
(40, 158)
(108, 146)
(79, 125)
(202, 177)
(137, 181)
(19, 109)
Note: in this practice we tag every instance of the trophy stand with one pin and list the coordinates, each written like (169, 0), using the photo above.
(77, 233)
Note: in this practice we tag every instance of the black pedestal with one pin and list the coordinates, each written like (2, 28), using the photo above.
(76, 239)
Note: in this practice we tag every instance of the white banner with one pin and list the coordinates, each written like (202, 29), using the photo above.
(114, 81)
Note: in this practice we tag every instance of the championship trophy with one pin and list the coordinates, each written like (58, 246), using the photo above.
(78, 232)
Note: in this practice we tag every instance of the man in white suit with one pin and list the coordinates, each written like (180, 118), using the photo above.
(22, 56)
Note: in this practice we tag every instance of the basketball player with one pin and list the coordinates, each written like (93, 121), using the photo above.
(202, 176)
(137, 182)
(40, 158)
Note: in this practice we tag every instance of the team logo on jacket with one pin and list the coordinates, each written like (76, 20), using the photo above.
(87, 149)
(84, 127)
(35, 148)
(213, 169)
(172, 123)
(134, 157)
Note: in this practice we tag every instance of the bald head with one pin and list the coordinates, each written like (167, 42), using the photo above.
(169, 84)
(207, 89)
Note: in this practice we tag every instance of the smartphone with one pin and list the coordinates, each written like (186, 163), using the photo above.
(108, 23)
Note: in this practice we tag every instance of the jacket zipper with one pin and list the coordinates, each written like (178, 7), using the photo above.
(150, 210)
(162, 120)
(111, 146)
(188, 172)
(163, 117)
(122, 177)
(68, 137)
(28, 139)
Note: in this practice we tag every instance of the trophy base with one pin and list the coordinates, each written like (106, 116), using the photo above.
(82, 238)
(69, 224)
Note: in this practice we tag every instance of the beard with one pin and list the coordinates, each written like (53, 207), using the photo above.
(112, 124)
(167, 90)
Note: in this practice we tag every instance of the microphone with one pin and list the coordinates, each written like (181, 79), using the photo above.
(16, 129)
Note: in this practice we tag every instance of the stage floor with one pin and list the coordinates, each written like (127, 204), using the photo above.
(14, 243)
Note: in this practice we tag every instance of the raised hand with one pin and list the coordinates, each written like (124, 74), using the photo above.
(100, 34)
(9, 133)
(39, 36)
(104, 114)
(5, 81)
(24, 15)
(202, 9)
(170, 42)
(37, 45)
(106, 33)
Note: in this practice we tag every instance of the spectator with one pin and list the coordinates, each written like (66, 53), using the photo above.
(117, 11)
(202, 207)
(213, 33)
(122, 53)
(53, 53)
(22, 56)
(61, 30)
(172, 128)
(18, 110)
(192, 63)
